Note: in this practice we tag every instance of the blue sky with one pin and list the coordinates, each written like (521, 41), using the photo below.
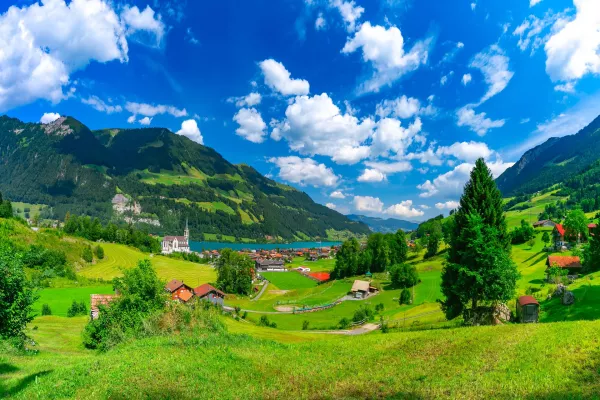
(371, 107)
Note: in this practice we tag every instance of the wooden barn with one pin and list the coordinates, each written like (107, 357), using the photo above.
(528, 309)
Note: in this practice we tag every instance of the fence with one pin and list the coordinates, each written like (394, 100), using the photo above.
(315, 308)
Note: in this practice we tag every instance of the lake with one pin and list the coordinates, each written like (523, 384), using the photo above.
(199, 246)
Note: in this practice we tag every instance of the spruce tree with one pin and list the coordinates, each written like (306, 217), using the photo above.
(478, 268)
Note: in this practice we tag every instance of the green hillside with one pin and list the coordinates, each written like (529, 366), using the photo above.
(165, 178)
(554, 161)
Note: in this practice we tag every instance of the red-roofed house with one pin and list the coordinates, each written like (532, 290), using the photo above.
(559, 235)
(528, 309)
(591, 228)
(98, 300)
(571, 263)
(179, 291)
(210, 293)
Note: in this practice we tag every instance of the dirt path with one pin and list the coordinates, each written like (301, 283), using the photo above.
(261, 291)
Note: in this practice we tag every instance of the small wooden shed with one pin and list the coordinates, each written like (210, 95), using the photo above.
(528, 309)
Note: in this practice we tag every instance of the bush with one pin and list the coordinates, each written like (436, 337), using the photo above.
(77, 309)
(379, 308)
(344, 323)
(404, 275)
(99, 251)
(405, 297)
(245, 315)
(305, 325)
(87, 254)
(46, 310)
(364, 313)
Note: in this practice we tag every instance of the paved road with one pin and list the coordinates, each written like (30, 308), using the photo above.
(261, 291)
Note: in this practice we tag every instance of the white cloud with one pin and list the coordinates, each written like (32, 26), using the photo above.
(389, 168)
(189, 129)
(279, 79)
(494, 65)
(371, 175)
(466, 79)
(524, 121)
(568, 87)
(384, 49)
(251, 100)
(402, 107)
(444, 79)
(252, 127)
(49, 117)
(100, 105)
(305, 171)
(534, 2)
(190, 37)
(131, 119)
(314, 125)
(349, 11)
(451, 183)
(534, 32)
(43, 44)
(449, 205)
(338, 194)
(391, 137)
(460, 45)
(574, 49)
(404, 209)
(424, 207)
(145, 121)
(320, 22)
(149, 110)
(367, 204)
(473, 6)
(143, 26)
(331, 206)
(466, 151)
(478, 123)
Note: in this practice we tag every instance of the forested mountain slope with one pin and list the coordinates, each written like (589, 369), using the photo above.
(389, 225)
(164, 179)
(554, 161)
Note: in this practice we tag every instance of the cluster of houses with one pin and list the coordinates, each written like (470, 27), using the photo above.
(559, 233)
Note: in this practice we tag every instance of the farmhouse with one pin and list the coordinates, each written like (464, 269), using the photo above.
(269, 266)
(571, 263)
(362, 289)
(210, 293)
(559, 235)
(528, 309)
(97, 300)
(177, 244)
(179, 291)
(546, 223)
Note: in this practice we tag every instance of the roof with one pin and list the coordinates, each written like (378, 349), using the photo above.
(564, 261)
(101, 300)
(171, 238)
(592, 226)
(205, 289)
(544, 221)
(322, 276)
(525, 300)
(360, 286)
(174, 285)
(269, 262)
(185, 295)
(560, 229)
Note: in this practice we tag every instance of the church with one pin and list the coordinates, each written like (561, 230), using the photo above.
(177, 244)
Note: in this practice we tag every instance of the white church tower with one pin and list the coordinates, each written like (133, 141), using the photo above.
(186, 232)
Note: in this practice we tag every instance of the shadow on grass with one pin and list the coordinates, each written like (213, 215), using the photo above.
(586, 306)
(537, 281)
(537, 260)
(20, 384)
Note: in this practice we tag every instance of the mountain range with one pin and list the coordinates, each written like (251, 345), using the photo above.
(155, 178)
(553, 161)
(389, 225)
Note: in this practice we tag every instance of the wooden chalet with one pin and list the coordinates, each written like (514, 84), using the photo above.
(209, 293)
(558, 233)
(179, 291)
(362, 289)
(571, 263)
(546, 223)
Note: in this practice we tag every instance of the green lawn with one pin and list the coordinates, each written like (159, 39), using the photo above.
(322, 265)
(118, 256)
(60, 300)
(289, 280)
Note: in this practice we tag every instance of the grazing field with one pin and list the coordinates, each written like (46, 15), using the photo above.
(118, 256)
(324, 264)
(60, 300)
(557, 360)
(289, 280)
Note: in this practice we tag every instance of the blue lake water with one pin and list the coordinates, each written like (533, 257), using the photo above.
(199, 246)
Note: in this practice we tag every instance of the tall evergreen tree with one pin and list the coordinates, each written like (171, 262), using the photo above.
(398, 247)
(346, 260)
(478, 268)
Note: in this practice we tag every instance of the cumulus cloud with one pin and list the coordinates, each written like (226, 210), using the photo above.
(145, 121)
(251, 100)
(252, 127)
(331, 206)
(338, 194)
(449, 205)
(349, 11)
(384, 49)
(149, 110)
(534, 2)
(466, 79)
(144, 26)
(131, 119)
(444, 79)
(100, 105)
(320, 22)
(305, 171)
(390, 137)
(405, 107)
(371, 175)
(49, 117)
(478, 123)
(404, 209)
(451, 183)
(367, 204)
(573, 51)
(466, 151)
(315, 125)
(189, 129)
(38, 56)
(279, 79)
(568, 87)
(494, 65)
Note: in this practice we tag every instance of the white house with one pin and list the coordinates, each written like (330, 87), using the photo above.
(177, 244)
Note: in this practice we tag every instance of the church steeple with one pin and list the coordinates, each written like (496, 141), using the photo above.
(186, 232)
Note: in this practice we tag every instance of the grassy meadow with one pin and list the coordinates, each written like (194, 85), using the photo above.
(289, 280)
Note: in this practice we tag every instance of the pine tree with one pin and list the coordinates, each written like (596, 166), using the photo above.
(478, 268)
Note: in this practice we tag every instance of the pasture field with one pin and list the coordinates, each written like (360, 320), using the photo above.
(118, 256)
(529, 361)
(60, 299)
(322, 265)
(289, 280)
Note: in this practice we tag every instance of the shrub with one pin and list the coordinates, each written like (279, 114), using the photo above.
(405, 297)
(379, 307)
(404, 275)
(363, 313)
(245, 315)
(384, 325)
(305, 325)
(77, 309)
(264, 321)
(46, 310)
(344, 323)
(87, 254)
(99, 251)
